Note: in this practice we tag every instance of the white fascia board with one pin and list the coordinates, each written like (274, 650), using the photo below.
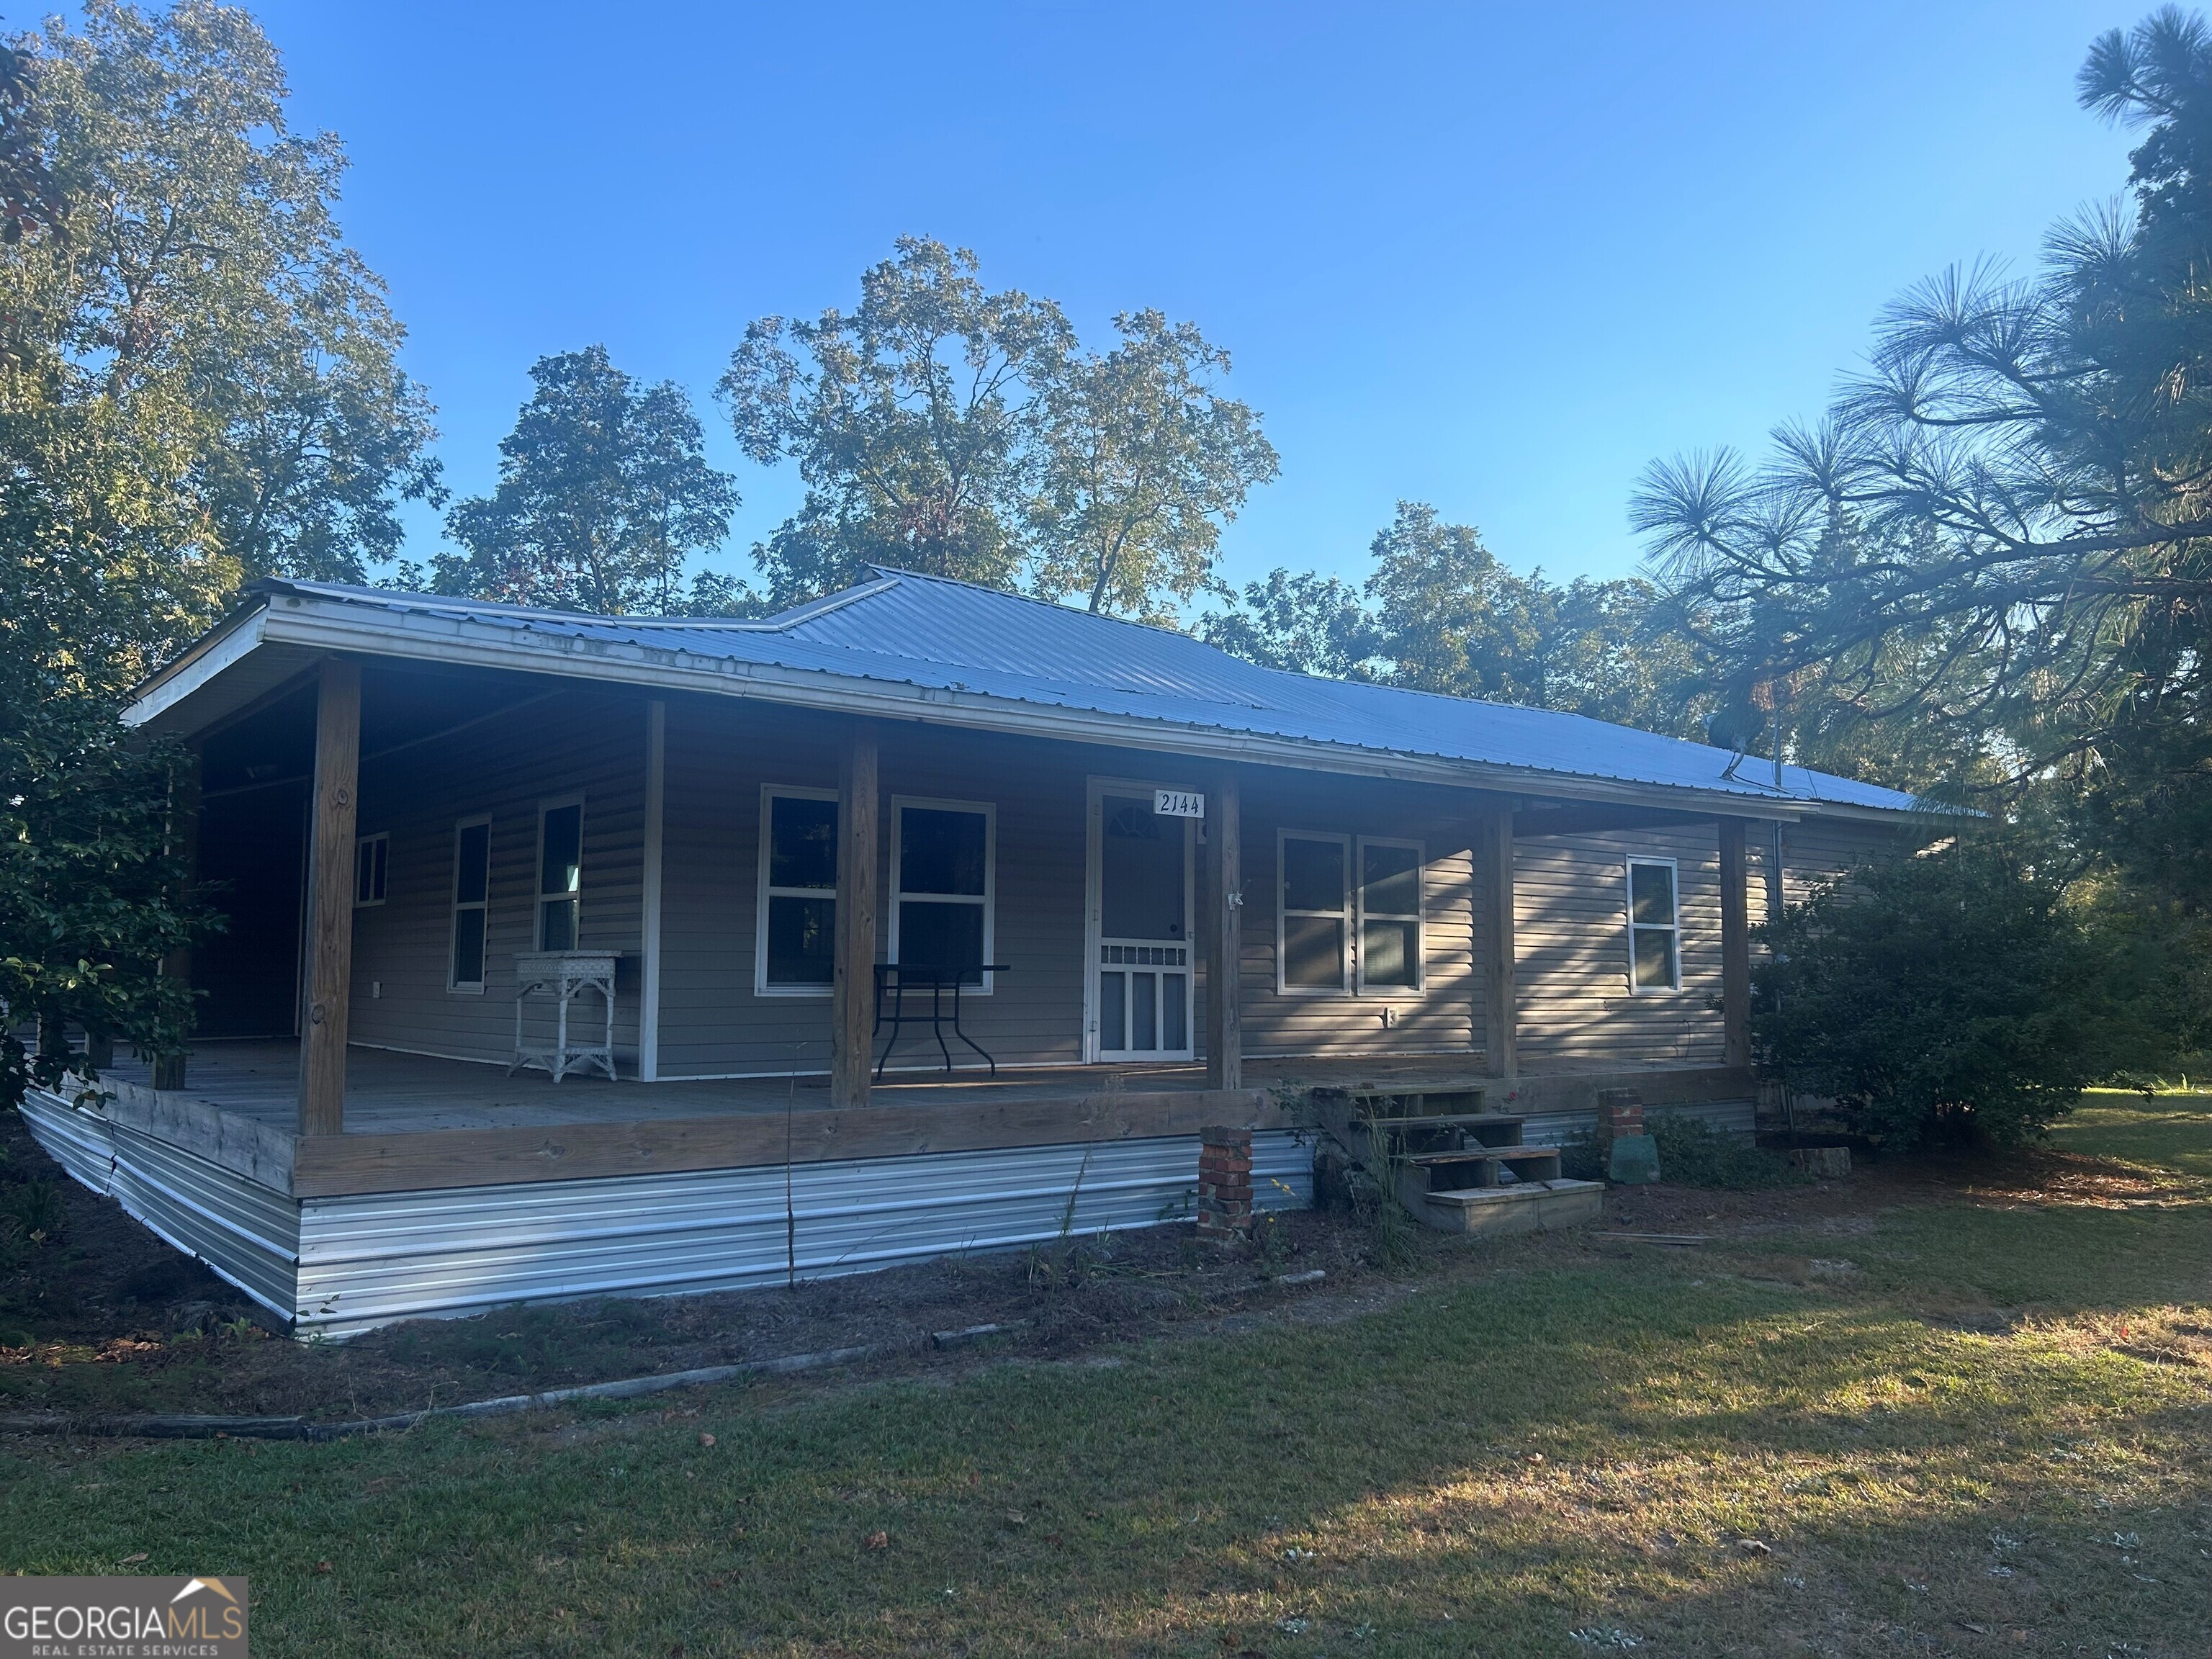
(329, 625)
(222, 649)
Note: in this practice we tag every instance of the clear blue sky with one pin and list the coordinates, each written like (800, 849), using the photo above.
(1494, 258)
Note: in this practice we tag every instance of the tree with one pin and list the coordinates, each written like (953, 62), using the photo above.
(943, 428)
(1141, 462)
(1439, 612)
(198, 384)
(2005, 529)
(1966, 994)
(604, 496)
(910, 419)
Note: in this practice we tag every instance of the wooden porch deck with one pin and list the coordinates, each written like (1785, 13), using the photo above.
(413, 1122)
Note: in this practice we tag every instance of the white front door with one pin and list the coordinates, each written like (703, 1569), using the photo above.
(1138, 990)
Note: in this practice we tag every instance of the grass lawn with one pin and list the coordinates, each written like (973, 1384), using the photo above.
(1971, 1415)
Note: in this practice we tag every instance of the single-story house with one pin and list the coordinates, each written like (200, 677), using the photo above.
(918, 919)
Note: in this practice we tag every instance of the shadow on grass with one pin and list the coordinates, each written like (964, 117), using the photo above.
(1369, 1486)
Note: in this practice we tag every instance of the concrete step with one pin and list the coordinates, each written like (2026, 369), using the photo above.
(1531, 1206)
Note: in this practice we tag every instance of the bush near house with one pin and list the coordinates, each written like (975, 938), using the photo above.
(1961, 994)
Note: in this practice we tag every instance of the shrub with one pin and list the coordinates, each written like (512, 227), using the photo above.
(1692, 1153)
(1952, 995)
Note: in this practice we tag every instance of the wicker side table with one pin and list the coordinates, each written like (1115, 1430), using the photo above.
(563, 976)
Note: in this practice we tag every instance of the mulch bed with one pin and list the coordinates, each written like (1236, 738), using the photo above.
(106, 1319)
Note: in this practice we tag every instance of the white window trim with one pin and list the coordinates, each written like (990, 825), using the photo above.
(360, 843)
(762, 892)
(538, 895)
(1419, 916)
(454, 907)
(1348, 916)
(1630, 925)
(990, 898)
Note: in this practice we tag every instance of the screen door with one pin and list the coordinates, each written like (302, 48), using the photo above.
(1140, 989)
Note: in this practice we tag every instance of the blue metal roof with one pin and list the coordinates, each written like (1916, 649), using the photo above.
(926, 631)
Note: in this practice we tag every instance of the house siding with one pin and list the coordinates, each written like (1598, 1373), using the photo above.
(572, 743)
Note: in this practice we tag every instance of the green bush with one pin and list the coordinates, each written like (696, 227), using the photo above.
(1692, 1153)
(1955, 995)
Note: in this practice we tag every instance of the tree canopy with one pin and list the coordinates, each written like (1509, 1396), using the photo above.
(1440, 612)
(2001, 533)
(604, 496)
(942, 427)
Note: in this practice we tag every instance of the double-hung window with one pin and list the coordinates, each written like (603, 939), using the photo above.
(941, 886)
(371, 862)
(471, 900)
(794, 951)
(560, 873)
(1349, 917)
(1313, 946)
(1391, 954)
(1654, 943)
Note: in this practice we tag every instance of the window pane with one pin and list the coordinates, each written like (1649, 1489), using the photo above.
(1651, 893)
(1654, 958)
(557, 925)
(473, 853)
(1114, 1011)
(1313, 875)
(802, 842)
(800, 947)
(940, 852)
(561, 861)
(382, 850)
(364, 872)
(1390, 953)
(1140, 864)
(1143, 1015)
(468, 947)
(1174, 1012)
(1391, 877)
(1313, 952)
(942, 936)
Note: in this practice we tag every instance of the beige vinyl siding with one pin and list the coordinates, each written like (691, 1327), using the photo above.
(711, 1020)
(1577, 1012)
(575, 743)
(1446, 1016)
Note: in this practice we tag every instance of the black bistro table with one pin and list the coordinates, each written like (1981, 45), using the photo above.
(897, 978)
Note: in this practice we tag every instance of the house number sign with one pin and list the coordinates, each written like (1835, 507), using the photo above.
(1177, 804)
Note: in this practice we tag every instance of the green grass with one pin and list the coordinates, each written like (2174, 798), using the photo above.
(1563, 1436)
(2170, 1130)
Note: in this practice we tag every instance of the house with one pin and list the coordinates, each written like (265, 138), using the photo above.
(735, 864)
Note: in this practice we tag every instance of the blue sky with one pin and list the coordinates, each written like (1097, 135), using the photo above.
(1493, 258)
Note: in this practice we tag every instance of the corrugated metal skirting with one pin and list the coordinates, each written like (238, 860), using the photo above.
(246, 1233)
(369, 1260)
(1733, 1117)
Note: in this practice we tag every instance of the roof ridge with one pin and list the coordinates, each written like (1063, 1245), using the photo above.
(899, 572)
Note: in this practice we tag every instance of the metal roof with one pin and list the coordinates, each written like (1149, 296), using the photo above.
(986, 650)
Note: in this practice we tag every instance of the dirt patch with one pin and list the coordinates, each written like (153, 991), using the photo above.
(102, 1317)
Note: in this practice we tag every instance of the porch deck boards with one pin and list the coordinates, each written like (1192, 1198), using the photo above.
(389, 1093)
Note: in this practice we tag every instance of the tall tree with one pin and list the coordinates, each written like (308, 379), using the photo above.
(604, 496)
(910, 418)
(945, 427)
(1141, 462)
(2005, 529)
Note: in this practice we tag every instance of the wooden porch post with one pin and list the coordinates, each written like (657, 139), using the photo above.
(1501, 1036)
(1735, 945)
(853, 995)
(330, 899)
(1225, 938)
